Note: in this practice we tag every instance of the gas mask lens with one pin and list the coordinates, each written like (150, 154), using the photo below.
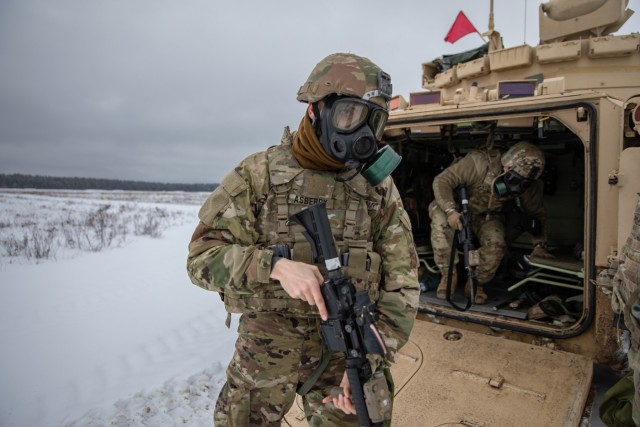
(378, 121)
(349, 114)
(515, 181)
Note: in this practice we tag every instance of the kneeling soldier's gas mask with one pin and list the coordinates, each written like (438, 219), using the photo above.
(512, 184)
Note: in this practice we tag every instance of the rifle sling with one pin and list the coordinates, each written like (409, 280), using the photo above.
(452, 265)
(315, 375)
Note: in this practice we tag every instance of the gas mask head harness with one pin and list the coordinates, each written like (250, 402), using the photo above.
(523, 164)
(350, 97)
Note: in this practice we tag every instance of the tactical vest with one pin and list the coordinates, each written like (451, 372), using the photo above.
(351, 206)
(481, 199)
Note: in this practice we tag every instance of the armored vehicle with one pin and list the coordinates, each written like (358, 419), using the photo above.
(527, 356)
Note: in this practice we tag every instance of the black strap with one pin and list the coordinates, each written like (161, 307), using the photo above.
(315, 375)
(474, 284)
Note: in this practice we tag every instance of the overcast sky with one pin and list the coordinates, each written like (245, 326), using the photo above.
(182, 90)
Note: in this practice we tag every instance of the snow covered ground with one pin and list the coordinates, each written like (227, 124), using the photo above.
(117, 336)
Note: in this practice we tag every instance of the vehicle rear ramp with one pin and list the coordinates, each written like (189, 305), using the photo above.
(447, 377)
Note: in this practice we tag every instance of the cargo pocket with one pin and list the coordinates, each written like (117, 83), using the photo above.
(364, 266)
(232, 407)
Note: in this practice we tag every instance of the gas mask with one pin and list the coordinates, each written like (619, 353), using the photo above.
(512, 184)
(349, 130)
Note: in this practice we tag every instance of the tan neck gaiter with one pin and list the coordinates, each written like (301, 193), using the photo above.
(308, 150)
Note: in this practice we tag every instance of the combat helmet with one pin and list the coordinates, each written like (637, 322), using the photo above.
(525, 159)
(346, 74)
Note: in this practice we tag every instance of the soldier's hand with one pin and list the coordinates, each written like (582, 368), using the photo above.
(342, 400)
(301, 281)
(454, 218)
(541, 252)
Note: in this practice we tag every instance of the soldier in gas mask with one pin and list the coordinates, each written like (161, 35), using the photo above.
(246, 249)
(494, 180)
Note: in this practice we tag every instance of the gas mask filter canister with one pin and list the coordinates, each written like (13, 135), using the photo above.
(381, 165)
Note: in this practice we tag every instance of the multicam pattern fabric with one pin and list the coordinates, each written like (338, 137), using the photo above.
(523, 157)
(626, 285)
(342, 74)
(478, 170)
(490, 233)
(627, 278)
(231, 253)
(275, 354)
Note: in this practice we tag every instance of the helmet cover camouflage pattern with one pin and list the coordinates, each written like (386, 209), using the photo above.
(347, 74)
(522, 158)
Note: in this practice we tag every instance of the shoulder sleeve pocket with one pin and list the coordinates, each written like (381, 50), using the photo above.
(232, 185)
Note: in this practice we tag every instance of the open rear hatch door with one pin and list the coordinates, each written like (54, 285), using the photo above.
(445, 376)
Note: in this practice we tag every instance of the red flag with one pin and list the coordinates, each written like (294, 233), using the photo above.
(460, 28)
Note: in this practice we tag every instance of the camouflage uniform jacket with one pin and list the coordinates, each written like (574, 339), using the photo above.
(478, 169)
(247, 213)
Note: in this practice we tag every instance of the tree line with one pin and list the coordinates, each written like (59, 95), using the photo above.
(74, 183)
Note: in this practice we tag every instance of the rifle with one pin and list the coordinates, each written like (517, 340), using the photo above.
(350, 325)
(464, 239)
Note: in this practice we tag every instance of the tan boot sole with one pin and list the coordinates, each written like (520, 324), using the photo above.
(481, 295)
(441, 292)
(481, 298)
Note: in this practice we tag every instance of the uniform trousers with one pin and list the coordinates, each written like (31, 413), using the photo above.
(489, 232)
(274, 355)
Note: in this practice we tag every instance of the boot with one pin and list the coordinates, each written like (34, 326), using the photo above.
(481, 295)
(441, 292)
